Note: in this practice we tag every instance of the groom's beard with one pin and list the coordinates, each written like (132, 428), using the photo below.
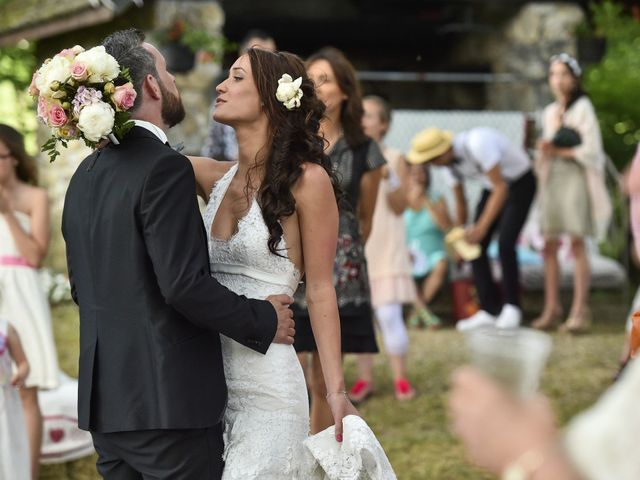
(172, 109)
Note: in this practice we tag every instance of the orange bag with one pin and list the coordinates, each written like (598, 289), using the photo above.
(635, 335)
(465, 303)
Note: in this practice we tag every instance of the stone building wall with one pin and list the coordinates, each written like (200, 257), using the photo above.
(524, 46)
(197, 90)
(197, 87)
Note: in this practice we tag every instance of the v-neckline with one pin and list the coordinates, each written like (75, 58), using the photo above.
(228, 177)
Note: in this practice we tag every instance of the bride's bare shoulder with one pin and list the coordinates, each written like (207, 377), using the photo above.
(208, 171)
(313, 172)
(313, 184)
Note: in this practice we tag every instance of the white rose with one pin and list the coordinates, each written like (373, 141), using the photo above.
(102, 66)
(289, 91)
(58, 69)
(96, 121)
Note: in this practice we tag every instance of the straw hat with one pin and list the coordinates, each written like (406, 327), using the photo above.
(455, 243)
(429, 144)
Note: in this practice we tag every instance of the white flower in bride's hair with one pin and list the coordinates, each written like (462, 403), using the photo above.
(289, 91)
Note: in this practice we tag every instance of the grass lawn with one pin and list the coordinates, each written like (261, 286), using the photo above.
(415, 434)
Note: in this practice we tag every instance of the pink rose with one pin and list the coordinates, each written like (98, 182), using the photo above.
(43, 108)
(57, 116)
(79, 71)
(68, 52)
(124, 96)
(33, 90)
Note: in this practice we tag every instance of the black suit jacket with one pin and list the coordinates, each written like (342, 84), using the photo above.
(149, 310)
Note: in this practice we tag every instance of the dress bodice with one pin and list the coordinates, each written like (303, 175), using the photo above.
(243, 263)
(7, 243)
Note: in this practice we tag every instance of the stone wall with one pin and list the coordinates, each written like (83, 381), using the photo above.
(55, 178)
(197, 90)
(526, 43)
(197, 87)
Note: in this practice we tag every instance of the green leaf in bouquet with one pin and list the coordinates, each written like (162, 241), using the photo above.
(124, 73)
(90, 144)
(122, 124)
(49, 147)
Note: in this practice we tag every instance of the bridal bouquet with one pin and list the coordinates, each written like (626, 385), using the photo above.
(83, 95)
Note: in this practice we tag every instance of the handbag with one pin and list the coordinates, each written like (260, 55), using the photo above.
(464, 297)
(566, 137)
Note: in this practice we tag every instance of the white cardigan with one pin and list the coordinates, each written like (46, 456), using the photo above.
(581, 117)
(604, 441)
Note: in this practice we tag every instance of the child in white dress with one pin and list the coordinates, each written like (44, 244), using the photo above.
(14, 446)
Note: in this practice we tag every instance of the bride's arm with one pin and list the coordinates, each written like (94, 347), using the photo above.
(207, 171)
(318, 222)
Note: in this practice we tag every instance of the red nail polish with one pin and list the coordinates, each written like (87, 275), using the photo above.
(339, 437)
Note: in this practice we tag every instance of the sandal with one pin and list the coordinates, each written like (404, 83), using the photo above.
(548, 322)
(404, 390)
(360, 391)
(415, 320)
(577, 324)
(430, 319)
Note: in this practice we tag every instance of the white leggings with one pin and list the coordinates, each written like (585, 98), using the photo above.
(394, 333)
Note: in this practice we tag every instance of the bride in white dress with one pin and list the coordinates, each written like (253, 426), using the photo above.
(271, 217)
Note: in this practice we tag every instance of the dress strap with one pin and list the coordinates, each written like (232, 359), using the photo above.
(217, 194)
(222, 185)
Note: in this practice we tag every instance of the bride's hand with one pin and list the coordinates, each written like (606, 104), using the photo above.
(340, 406)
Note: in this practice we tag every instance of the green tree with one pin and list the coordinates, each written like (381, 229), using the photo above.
(17, 64)
(614, 83)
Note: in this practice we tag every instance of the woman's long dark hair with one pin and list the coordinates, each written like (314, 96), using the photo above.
(294, 138)
(578, 90)
(352, 110)
(26, 169)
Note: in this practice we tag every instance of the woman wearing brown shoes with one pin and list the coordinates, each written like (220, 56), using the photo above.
(573, 197)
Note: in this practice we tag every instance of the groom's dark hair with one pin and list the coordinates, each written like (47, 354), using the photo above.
(126, 47)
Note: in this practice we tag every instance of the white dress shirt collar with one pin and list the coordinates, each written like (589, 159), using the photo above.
(157, 131)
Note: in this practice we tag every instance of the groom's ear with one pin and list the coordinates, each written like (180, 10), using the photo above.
(151, 87)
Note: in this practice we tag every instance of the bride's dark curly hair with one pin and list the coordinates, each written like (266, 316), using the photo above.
(294, 138)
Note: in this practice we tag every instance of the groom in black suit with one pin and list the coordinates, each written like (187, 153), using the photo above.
(151, 386)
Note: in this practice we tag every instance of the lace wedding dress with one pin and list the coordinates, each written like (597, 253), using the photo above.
(266, 423)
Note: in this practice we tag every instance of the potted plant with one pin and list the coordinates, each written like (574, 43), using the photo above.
(591, 44)
(181, 41)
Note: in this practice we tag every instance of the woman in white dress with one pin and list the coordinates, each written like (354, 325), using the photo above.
(272, 217)
(573, 195)
(24, 240)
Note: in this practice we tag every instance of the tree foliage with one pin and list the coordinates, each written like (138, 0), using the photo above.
(614, 83)
(17, 64)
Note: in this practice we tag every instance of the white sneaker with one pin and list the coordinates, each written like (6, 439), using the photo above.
(510, 317)
(477, 320)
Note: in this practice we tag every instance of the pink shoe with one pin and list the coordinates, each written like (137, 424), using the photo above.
(404, 390)
(360, 391)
